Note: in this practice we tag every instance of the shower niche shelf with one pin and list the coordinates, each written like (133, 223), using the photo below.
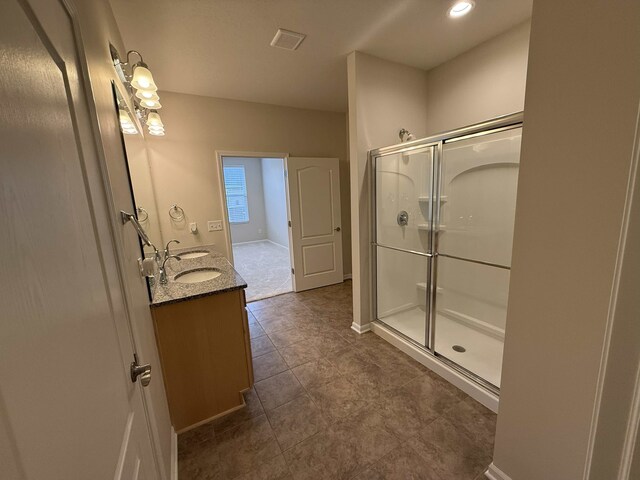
(423, 286)
(425, 198)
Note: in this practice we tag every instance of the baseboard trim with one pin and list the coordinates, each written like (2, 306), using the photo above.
(249, 241)
(360, 328)
(174, 454)
(347, 276)
(494, 473)
(278, 244)
(475, 391)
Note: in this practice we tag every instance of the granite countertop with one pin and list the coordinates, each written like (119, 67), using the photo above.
(176, 292)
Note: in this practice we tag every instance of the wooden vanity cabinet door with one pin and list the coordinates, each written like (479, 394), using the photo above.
(202, 344)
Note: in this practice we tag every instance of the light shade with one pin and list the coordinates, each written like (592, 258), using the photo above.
(151, 104)
(147, 95)
(157, 133)
(142, 79)
(153, 119)
(461, 8)
(125, 119)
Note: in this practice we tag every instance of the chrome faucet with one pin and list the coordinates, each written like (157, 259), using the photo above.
(166, 248)
(156, 255)
(163, 271)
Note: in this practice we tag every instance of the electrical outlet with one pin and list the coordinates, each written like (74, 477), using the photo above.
(214, 225)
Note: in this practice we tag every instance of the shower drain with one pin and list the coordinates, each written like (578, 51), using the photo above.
(459, 348)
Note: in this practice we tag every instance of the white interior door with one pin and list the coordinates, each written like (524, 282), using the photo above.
(314, 212)
(68, 409)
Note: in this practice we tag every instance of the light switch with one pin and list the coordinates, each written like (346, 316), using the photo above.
(214, 225)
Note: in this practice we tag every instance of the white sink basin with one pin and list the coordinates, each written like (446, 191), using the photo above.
(197, 276)
(194, 254)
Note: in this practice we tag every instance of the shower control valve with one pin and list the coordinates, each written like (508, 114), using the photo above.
(403, 218)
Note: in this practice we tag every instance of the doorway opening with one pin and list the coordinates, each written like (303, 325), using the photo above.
(256, 200)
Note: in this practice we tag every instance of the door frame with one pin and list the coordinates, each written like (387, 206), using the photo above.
(226, 225)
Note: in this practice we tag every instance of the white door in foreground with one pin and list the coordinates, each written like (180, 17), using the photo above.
(68, 407)
(314, 210)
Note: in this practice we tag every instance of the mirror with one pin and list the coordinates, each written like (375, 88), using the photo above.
(139, 170)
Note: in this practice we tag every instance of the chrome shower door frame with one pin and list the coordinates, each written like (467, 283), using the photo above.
(374, 236)
(495, 125)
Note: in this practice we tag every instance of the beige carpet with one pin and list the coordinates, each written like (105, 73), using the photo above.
(265, 266)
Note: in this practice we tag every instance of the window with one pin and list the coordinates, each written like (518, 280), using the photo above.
(235, 185)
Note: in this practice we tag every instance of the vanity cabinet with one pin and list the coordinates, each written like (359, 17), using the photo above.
(206, 355)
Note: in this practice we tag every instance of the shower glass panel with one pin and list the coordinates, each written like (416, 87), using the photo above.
(402, 292)
(471, 311)
(479, 179)
(403, 200)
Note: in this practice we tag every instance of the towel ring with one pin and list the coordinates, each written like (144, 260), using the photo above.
(176, 212)
(142, 214)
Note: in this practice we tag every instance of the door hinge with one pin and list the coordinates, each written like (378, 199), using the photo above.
(293, 271)
(289, 222)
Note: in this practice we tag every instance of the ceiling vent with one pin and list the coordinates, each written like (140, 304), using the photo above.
(287, 39)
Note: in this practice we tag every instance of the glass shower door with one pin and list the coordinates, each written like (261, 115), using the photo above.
(403, 243)
(476, 211)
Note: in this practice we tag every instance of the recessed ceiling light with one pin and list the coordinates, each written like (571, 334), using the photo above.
(461, 8)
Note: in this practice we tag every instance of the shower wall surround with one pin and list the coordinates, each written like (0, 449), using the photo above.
(443, 210)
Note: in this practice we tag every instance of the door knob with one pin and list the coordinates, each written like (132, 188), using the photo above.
(337, 229)
(142, 371)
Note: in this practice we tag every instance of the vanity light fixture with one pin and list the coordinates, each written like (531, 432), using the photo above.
(147, 95)
(154, 123)
(150, 103)
(461, 8)
(126, 123)
(139, 81)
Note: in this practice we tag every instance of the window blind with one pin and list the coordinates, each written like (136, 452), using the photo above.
(235, 185)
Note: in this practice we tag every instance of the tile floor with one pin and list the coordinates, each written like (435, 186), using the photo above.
(265, 266)
(330, 404)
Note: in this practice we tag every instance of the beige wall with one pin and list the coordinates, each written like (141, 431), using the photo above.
(483, 83)
(583, 89)
(184, 165)
(383, 98)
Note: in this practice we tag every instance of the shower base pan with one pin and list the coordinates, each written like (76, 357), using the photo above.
(482, 352)
(482, 355)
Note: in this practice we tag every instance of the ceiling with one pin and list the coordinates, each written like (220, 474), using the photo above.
(220, 48)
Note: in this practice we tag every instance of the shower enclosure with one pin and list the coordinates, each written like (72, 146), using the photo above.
(443, 226)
